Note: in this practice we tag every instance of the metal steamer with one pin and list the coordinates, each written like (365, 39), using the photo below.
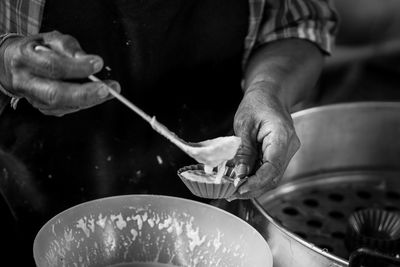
(349, 160)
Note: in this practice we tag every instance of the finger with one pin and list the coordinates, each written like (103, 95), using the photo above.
(50, 94)
(61, 110)
(269, 174)
(58, 112)
(280, 148)
(63, 43)
(69, 46)
(275, 150)
(242, 169)
(245, 158)
(51, 63)
(264, 178)
(257, 184)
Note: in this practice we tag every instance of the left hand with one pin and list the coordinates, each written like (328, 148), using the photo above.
(268, 137)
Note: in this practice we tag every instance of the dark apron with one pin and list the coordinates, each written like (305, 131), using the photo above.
(176, 59)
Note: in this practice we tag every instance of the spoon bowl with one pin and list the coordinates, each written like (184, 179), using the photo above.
(212, 152)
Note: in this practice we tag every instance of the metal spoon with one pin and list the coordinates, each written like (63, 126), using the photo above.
(212, 153)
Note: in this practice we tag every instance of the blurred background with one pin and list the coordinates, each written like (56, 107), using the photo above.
(365, 64)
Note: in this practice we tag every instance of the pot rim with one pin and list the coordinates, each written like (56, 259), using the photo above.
(293, 236)
(346, 105)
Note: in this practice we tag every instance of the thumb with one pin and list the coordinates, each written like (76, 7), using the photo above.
(246, 156)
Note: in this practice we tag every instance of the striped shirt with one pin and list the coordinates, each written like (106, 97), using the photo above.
(269, 20)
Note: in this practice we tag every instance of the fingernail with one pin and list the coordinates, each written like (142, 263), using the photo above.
(116, 86)
(230, 199)
(102, 92)
(241, 170)
(243, 190)
(97, 64)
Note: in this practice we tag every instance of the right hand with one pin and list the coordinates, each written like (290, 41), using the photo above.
(269, 140)
(43, 76)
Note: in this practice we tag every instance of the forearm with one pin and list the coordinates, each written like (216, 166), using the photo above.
(290, 68)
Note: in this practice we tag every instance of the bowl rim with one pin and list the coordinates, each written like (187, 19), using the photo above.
(151, 196)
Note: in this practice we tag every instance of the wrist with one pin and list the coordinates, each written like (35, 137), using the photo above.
(271, 90)
(289, 69)
(5, 40)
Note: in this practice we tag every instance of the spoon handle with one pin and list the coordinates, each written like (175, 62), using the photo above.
(157, 126)
(125, 101)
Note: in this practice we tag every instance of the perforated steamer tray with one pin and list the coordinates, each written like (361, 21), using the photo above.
(317, 208)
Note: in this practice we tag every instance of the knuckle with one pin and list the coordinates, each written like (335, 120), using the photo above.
(68, 39)
(260, 116)
(65, 39)
(52, 69)
(54, 34)
(238, 121)
(48, 67)
(16, 54)
(15, 61)
(51, 97)
(83, 97)
(69, 43)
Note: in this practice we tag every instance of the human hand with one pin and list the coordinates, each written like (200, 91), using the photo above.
(268, 135)
(43, 76)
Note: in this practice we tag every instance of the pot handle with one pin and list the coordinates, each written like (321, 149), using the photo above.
(357, 257)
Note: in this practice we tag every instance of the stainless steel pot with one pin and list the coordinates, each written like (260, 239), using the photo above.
(341, 143)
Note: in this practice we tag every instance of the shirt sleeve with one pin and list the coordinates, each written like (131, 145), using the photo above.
(312, 20)
(23, 16)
